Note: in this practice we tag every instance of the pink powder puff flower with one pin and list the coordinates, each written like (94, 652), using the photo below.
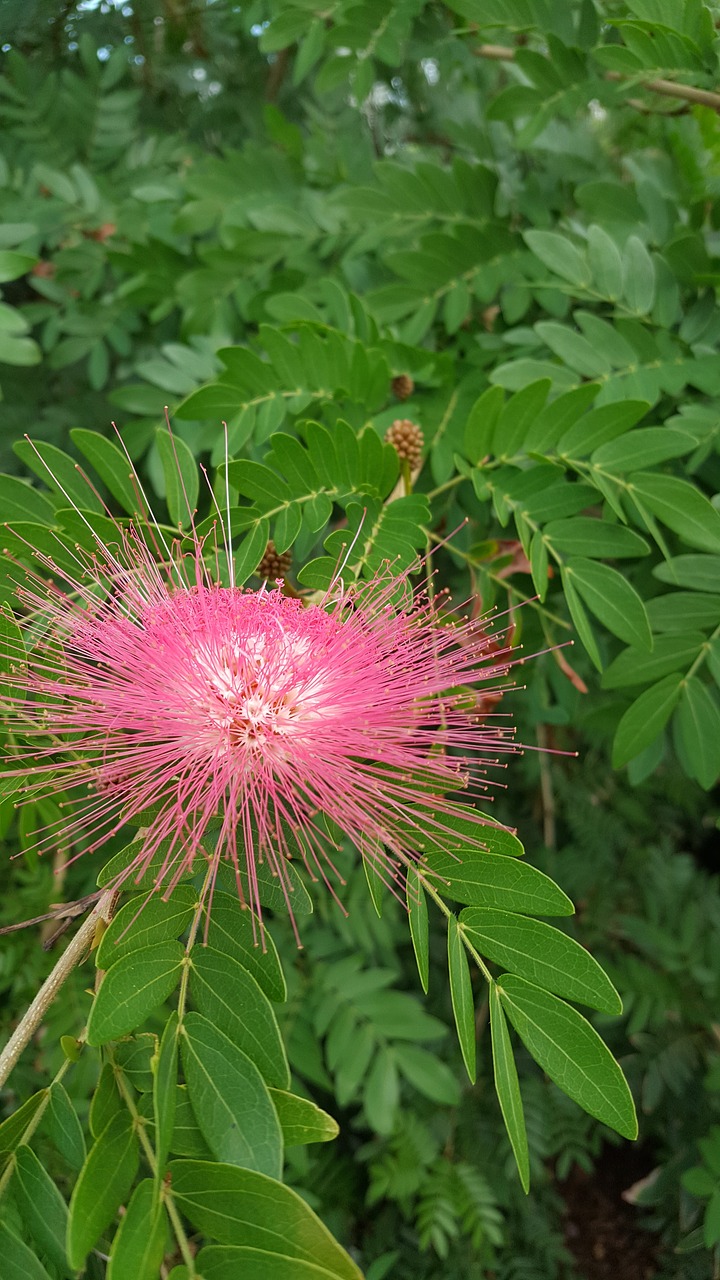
(240, 718)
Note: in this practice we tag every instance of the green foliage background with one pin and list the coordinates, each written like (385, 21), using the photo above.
(267, 215)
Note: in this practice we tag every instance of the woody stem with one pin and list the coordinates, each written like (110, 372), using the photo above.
(74, 953)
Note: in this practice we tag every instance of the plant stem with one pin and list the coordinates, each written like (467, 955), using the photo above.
(182, 997)
(72, 956)
(668, 88)
(31, 1127)
(149, 1154)
(450, 915)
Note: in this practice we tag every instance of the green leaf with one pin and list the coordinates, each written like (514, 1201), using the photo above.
(63, 1127)
(680, 611)
(243, 1208)
(230, 1099)
(605, 263)
(43, 1209)
(250, 551)
(571, 1052)
(182, 483)
(145, 921)
(139, 1245)
(670, 653)
(12, 655)
(580, 618)
(638, 277)
(301, 1120)
(373, 878)
(187, 1139)
(459, 829)
(13, 265)
(20, 502)
(539, 561)
(698, 573)
(128, 859)
(381, 1094)
(697, 732)
(418, 920)
(105, 1101)
(484, 880)
(135, 1056)
(132, 989)
(642, 448)
(234, 931)
(587, 536)
(517, 418)
(13, 1128)
(276, 893)
(462, 997)
(645, 718)
(611, 598)
(111, 465)
(230, 998)
(507, 1087)
(104, 1183)
(542, 954)
(480, 425)
(559, 254)
(18, 1262)
(165, 1094)
(600, 426)
(59, 472)
(558, 416)
(227, 1262)
(681, 506)
(426, 1073)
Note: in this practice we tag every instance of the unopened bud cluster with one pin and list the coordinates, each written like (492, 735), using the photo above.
(274, 564)
(402, 386)
(407, 440)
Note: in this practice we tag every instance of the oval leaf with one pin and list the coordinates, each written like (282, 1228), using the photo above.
(235, 932)
(645, 719)
(139, 1245)
(231, 999)
(418, 920)
(483, 880)
(508, 1088)
(132, 988)
(462, 997)
(230, 1099)
(542, 954)
(104, 1182)
(244, 1208)
(145, 921)
(564, 1044)
(43, 1209)
(611, 598)
(301, 1120)
(18, 1262)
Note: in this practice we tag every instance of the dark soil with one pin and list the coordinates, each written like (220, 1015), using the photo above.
(602, 1231)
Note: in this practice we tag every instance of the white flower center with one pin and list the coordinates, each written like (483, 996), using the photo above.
(261, 691)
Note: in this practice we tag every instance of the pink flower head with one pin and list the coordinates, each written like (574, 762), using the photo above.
(244, 719)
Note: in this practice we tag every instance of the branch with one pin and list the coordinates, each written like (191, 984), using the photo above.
(72, 956)
(668, 88)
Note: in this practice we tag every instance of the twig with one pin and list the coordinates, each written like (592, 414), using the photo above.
(58, 911)
(276, 74)
(74, 953)
(668, 88)
(546, 790)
